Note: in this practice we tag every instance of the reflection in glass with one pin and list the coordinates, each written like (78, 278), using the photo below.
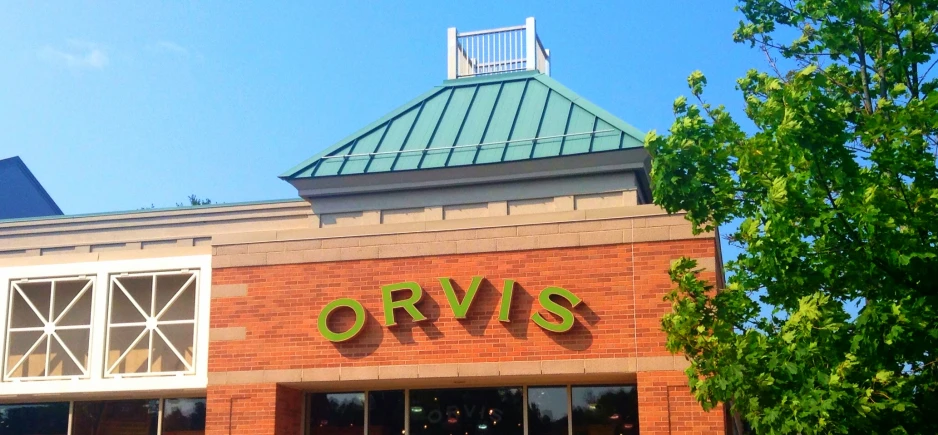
(477, 411)
(547, 410)
(337, 414)
(34, 419)
(605, 410)
(184, 416)
(386, 412)
(126, 417)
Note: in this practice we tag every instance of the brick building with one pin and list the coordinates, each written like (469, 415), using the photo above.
(482, 260)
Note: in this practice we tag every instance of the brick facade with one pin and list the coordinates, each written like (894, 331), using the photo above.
(621, 287)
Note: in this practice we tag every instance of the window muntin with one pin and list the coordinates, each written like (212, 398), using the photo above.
(151, 323)
(49, 328)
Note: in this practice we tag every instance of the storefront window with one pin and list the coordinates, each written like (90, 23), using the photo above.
(478, 411)
(337, 414)
(547, 410)
(184, 417)
(386, 412)
(34, 419)
(607, 410)
(126, 417)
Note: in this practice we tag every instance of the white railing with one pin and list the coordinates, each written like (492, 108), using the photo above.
(494, 51)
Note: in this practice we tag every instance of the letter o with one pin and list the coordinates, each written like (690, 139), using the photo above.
(353, 331)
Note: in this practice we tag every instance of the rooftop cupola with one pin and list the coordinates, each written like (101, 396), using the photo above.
(498, 129)
(495, 51)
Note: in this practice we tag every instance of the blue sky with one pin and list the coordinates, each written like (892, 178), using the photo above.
(120, 106)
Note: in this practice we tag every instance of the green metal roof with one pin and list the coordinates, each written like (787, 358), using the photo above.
(475, 121)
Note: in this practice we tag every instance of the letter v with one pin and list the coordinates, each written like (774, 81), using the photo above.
(460, 308)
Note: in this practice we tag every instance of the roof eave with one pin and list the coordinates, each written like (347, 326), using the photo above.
(635, 160)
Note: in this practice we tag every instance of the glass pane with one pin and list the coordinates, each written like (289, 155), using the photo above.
(184, 417)
(180, 337)
(79, 308)
(34, 419)
(125, 417)
(547, 410)
(60, 362)
(386, 412)
(608, 409)
(337, 414)
(31, 363)
(135, 308)
(477, 411)
(30, 307)
(122, 339)
(167, 288)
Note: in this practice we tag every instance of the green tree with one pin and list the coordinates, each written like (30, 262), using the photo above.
(195, 200)
(828, 321)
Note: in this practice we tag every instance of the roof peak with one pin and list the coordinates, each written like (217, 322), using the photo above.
(495, 51)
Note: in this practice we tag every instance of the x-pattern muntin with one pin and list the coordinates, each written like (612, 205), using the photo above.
(49, 328)
(152, 321)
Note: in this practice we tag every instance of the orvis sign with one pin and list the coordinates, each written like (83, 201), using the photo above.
(406, 295)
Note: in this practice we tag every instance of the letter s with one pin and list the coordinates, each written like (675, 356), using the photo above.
(565, 315)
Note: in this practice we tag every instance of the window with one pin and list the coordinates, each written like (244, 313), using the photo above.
(551, 410)
(34, 419)
(337, 414)
(547, 410)
(151, 323)
(126, 417)
(137, 417)
(183, 417)
(606, 409)
(489, 411)
(386, 412)
(49, 328)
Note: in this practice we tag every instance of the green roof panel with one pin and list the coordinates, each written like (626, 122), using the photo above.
(473, 121)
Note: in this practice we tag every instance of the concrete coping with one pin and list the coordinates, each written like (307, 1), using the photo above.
(639, 211)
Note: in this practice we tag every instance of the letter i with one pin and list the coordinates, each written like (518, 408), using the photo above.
(505, 308)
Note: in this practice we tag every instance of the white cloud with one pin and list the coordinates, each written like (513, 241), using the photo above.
(76, 54)
(171, 47)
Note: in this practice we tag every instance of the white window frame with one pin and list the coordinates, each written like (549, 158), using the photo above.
(48, 331)
(96, 382)
(154, 328)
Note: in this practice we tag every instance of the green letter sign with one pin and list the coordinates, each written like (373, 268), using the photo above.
(565, 315)
(505, 307)
(353, 331)
(460, 309)
(387, 296)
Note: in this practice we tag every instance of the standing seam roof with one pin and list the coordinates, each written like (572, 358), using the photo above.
(475, 121)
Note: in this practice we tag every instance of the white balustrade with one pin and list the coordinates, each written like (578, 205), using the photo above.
(495, 51)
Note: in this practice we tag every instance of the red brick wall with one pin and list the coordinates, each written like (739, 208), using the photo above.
(666, 407)
(621, 287)
(253, 410)
(284, 301)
